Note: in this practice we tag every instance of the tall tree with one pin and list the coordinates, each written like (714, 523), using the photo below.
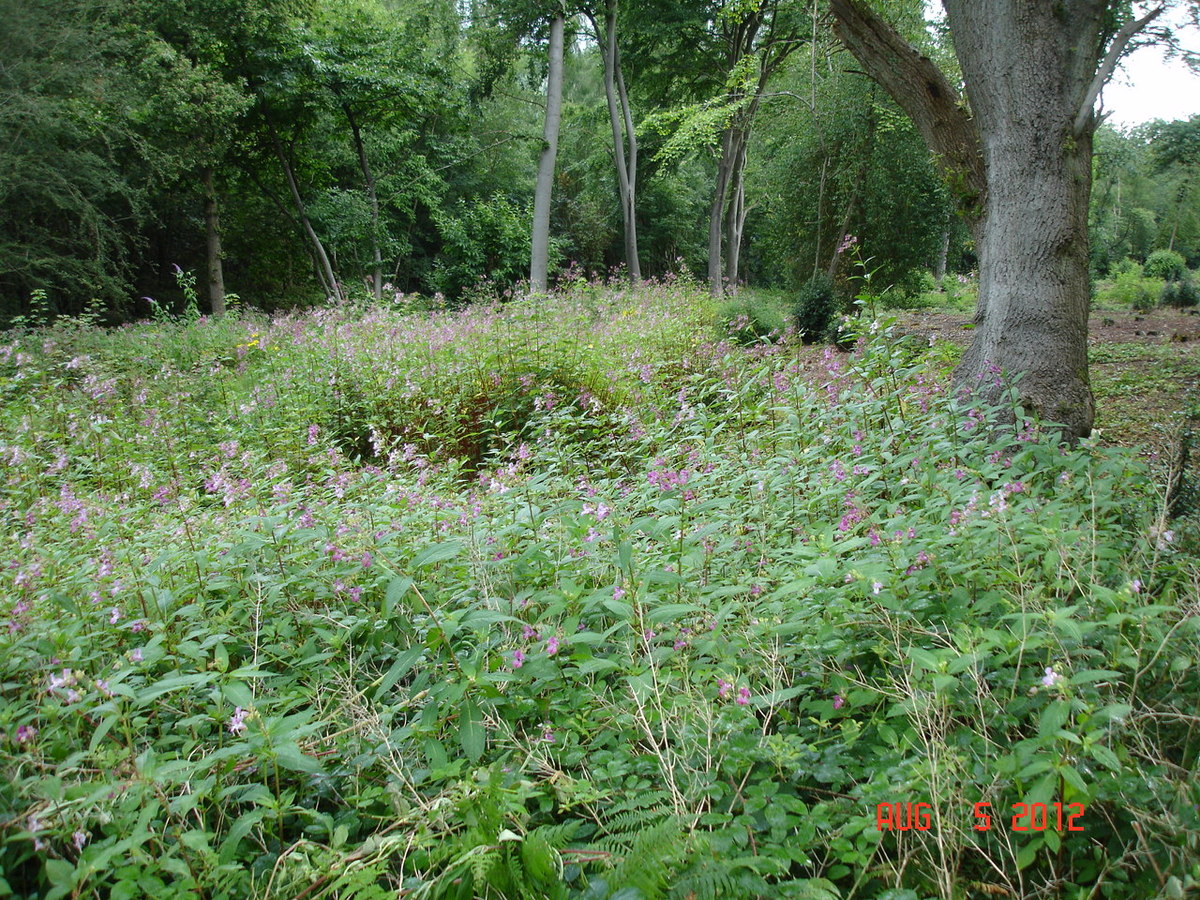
(1020, 164)
(625, 146)
(543, 190)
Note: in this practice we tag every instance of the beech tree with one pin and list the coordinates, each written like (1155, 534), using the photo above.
(543, 190)
(1017, 154)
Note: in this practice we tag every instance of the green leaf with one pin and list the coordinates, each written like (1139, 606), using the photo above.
(437, 553)
(238, 693)
(396, 589)
(1105, 757)
(292, 757)
(401, 667)
(471, 735)
(238, 830)
(1028, 853)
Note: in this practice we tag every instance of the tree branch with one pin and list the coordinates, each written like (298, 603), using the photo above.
(922, 91)
(1115, 51)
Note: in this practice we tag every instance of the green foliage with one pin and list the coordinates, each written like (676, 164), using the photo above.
(511, 655)
(753, 317)
(1165, 264)
(1181, 293)
(815, 308)
(1130, 290)
(483, 243)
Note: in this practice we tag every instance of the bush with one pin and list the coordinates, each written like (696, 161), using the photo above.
(815, 309)
(1128, 265)
(1165, 264)
(1181, 293)
(692, 661)
(1132, 290)
(751, 319)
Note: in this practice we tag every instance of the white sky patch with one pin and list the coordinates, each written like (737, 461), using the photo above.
(1149, 86)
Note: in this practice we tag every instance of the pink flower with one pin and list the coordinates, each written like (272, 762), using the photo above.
(743, 696)
(723, 687)
(838, 701)
(618, 592)
(518, 659)
(1051, 678)
(237, 722)
(552, 645)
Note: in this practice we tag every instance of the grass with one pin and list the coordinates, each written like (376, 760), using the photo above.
(574, 599)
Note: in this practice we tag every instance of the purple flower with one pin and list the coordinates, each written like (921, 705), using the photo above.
(79, 838)
(1136, 586)
(552, 645)
(723, 687)
(518, 659)
(237, 722)
(618, 592)
(529, 633)
(838, 701)
(743, 696)
(25, 733)
(1051, 677)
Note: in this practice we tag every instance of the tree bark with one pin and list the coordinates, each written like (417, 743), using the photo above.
(1020, 171)
(543, 190)
(212, 227)
(631, 162)
(364, 166)
(943, 258)
(735, 210)
(324, 267)
(624, 145)
(716, 216)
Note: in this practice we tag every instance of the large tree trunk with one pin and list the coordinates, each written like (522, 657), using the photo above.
(1021, 173)
(543, 190)
(1027, 71)
(212, 227)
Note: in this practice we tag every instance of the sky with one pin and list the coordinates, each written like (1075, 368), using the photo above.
(1148, 86)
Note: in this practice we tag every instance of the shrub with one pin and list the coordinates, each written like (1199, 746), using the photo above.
(690, 662)
(1180, 293)
(1132, 290)
(1127, 265)
(815, 309)
(1165, 264)
(751, 319)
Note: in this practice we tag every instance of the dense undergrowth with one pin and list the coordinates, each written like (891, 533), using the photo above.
(571, 599)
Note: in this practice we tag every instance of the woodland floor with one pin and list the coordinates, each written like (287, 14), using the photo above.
(1145, 370)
